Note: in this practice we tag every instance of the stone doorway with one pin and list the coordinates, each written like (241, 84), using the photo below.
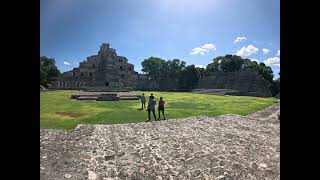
(107, 83)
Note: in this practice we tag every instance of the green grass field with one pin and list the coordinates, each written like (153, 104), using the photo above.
(58, 111)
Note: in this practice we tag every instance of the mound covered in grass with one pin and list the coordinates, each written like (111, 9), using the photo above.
(58, 111)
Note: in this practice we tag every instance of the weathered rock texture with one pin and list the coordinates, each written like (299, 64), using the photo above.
(244, 82)
(224, 147)
(106, 70)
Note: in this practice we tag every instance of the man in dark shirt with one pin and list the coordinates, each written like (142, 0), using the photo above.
(161, 108)
(151, 107)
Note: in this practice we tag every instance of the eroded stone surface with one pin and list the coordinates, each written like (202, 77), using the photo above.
(224, 147)
(246, 83)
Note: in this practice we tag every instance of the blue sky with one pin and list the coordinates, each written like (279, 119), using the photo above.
(194, 31)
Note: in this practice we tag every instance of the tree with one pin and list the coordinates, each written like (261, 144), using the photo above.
(157, 68)
(249, 65)
(189, 77)
(174, 67)
(215, 65)
(231, 63)
(43, 76)
(266, 72)
(48, 70)
(202, 72)
(45, 61)
(275, 87)
(53, 74)
(153, 67)
(227, 63)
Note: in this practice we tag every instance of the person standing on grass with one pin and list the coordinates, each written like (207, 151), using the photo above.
(143, 101)
(151, 107)
(161, 108)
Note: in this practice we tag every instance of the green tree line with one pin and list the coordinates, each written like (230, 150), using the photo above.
(48, 70)
(188, 76)
(157, 69)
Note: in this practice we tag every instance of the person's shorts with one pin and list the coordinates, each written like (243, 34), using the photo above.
(161, 109)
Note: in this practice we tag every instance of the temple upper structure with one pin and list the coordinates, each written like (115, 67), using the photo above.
(105, 70)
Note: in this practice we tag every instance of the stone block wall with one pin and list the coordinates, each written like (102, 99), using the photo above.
(247, 82)
(145, 84)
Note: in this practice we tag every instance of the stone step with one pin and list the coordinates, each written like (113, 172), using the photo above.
(87, 98)
(108, 98)
(129, 98)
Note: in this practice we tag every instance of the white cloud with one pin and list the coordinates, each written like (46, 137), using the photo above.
(200, 66)
(66, 63)
(265, 51)
(238, 39)
(247, 51)
(273, 61)
(256, 60)
(202, 50)
(278, 53)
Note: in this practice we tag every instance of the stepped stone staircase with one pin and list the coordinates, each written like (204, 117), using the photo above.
(237, 83)
(216, 91)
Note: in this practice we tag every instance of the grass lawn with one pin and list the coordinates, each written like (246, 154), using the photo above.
(58, 111)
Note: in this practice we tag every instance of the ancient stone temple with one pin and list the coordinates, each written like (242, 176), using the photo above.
(104, 71)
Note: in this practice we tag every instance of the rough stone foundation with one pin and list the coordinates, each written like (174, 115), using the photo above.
(104, 96)
(224, 147)
(246, 83)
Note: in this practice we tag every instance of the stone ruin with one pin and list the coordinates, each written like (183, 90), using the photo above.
(245, 83)
(104, 96)
(223, 147)
(144, 84)
(105, 71)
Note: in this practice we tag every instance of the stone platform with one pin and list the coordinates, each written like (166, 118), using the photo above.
(246, 83)
(232, 92)
(216, 91)
(224, 147)
(104, 96)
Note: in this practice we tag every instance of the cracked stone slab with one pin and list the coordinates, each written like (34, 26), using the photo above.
(223, 147)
